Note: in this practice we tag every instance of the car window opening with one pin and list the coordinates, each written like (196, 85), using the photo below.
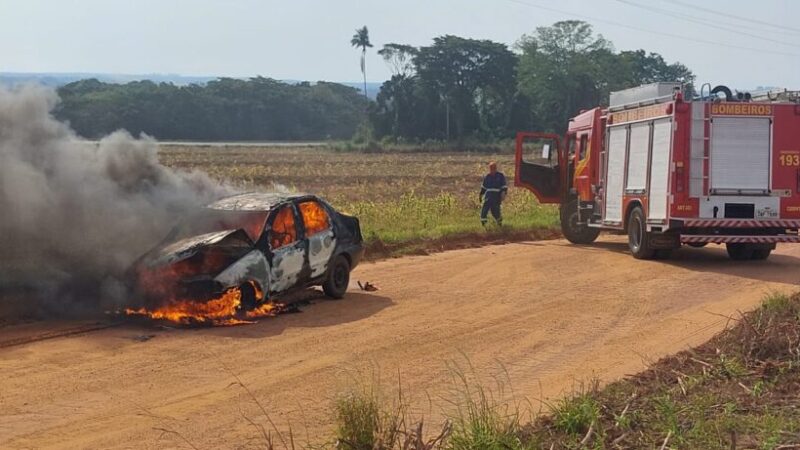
(284, 231)
(315, 218)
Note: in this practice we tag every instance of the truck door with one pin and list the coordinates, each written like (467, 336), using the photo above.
(539, 164)
(583, 178)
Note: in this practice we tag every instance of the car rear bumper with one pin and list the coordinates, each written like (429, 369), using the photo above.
(356, 253)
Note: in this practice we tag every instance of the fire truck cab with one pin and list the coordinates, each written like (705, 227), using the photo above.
(670, 171)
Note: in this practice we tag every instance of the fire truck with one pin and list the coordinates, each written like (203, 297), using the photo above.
(670, 169)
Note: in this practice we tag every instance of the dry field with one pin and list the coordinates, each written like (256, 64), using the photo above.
(399, 197)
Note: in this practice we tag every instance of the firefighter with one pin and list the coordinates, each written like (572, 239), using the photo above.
(493, 192)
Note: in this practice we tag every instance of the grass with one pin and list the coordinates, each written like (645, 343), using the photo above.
(367, 420)
(407, 202)
(480, 420)
(413, 217)
(739, 390)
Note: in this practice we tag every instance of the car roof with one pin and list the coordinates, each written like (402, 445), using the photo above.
(254, 201)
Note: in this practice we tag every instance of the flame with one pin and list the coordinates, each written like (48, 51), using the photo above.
(221, 311)
(284, 231)
(264, 310)
(314, 217)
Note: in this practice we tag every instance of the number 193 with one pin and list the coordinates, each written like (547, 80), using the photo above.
(790, 159)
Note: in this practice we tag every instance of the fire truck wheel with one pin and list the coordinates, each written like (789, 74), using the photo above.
(761, 253)
(335, 285)
(739, 251)
(575, 233)
(663, 253)
(638, 237)
(697, 244)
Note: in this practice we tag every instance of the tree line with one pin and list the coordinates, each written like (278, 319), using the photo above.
(459, 87)
(226, 109)
(456, 88)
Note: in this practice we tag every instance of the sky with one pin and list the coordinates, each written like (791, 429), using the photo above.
(310, 39)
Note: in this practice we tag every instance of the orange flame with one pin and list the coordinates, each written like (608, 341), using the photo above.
(264, 310)
(222, 311)
(314, 217)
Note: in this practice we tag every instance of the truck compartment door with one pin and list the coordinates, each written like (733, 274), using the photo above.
(615, 172)
(659, 169)
(539, 160)
(740, 159)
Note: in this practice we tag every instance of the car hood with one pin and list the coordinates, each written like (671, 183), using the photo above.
(186, 248)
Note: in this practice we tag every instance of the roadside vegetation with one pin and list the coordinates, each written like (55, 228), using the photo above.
(740, 390)
(406, 202)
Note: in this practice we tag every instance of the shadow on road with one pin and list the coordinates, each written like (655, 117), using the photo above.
(313, 310)
(779, 268)
(317, 312)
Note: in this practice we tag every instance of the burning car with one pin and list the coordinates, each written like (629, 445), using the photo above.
(235, 259)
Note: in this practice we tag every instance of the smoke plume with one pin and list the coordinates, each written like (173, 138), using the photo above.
(73, 214)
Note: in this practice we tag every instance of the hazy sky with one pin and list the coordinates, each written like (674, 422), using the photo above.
(309, 40)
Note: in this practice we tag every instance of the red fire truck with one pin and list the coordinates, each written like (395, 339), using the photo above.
(669, 170)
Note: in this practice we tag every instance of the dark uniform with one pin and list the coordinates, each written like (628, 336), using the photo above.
(492, 190)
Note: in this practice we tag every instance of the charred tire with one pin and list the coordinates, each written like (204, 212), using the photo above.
(697, 244)
(577, 234)
(638, 237)
(739, 252)
(663, 253)
(248, 300)
(761, 253)
(335, 284)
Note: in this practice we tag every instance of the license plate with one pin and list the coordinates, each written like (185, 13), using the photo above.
(767, 213)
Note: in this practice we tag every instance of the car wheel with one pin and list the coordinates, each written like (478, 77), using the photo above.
(739, 252)
(248, 300)
(335, 285)
(638, 237)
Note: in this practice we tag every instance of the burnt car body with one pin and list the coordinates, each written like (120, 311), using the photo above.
(266, 244)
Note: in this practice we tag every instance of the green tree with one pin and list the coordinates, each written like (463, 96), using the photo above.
(361, 40)
(473, 78)
(565, 68)
(399, 58)
(224, 109)
(651, 67)
(395, 99)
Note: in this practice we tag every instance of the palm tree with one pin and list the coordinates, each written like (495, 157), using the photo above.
(361, 40)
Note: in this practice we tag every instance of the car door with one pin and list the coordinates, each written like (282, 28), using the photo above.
(287, 248)
(320, 235)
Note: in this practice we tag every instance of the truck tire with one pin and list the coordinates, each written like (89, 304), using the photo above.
(577, 234)
(638, 237)
(663, 253)
(739, 251)
(761, 253)
(335, 284)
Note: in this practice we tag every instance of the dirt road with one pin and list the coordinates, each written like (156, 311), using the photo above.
(547, 313)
